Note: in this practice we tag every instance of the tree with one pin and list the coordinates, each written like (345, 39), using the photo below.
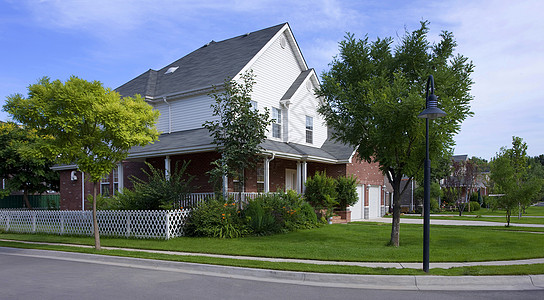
(509, 172)
(21, 169)
(373, 94)
(459, 184)
(84, 123)
(239, 129)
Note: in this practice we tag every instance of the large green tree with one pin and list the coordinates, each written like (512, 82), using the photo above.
(374, 92)
(20, 167)
(84, 123)
(239, 129)
(512, 178)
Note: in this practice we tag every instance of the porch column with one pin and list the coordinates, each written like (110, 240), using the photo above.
(120, 177)
(304, 175)
(299, 177)
(167, 167)
(266, 175)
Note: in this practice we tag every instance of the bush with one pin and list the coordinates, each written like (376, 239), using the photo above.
(346, 190)
(321, 191)
(474, 206)
(157, 192)
(266, 214)
(434, 205)
(215, 218)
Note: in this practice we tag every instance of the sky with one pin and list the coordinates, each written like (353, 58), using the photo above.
(114, 41)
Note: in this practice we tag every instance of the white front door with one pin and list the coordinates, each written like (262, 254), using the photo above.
(357, 210)
(374, 208)
(290, 179)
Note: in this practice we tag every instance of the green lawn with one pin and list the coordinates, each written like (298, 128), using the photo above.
(351, 242)
(470, 217)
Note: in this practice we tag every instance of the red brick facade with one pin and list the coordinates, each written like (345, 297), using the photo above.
(200, 164)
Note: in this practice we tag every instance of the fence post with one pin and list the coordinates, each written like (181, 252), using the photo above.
(7, 221)
(167, 225)
(129, 219)
(33, 220)
(61, 224)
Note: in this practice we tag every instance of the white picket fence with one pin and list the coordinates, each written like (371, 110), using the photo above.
(126, 223)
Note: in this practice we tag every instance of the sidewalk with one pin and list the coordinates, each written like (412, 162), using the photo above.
(385, 282)
(450, 222)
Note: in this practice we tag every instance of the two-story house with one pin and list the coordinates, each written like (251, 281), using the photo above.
(298, 142)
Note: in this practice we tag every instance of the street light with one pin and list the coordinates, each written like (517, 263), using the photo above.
(431, 112)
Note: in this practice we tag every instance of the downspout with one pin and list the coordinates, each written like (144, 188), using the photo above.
(169, 115)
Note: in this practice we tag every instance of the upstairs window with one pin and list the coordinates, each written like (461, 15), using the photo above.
(309, 129)
(254, 106)
(276, 126)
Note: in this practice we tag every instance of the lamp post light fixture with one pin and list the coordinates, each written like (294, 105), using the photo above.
(431, 112)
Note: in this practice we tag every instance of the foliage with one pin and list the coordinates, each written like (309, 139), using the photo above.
(458, 186)
(266, 214)
(346, 190)
(238, 130)
(474, 206)
(83, 123)
(434, 205)
(20, 167)
(436, 192)
(374, 93)
(321, 191)
(511, 177)
(215, 218)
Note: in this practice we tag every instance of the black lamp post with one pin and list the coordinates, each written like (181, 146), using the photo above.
(431, 112)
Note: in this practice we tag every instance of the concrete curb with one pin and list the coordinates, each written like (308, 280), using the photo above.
(429, 283)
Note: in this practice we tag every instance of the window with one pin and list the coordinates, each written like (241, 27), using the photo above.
(276, 126)
(309, 129)
(254, 106)
(105, 186)
(260, 176)
(237, 184)
(115, 181)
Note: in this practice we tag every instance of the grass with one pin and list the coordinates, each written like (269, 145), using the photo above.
(365, 242)
(530, 211)
(471, 217)
(301, 267)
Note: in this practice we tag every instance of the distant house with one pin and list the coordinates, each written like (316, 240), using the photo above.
(298, 144)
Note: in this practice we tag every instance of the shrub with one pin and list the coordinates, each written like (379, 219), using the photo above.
(215, 218)
(346, 189)
(474, 206)
(321, 191)
(259, 217)
(434, 205)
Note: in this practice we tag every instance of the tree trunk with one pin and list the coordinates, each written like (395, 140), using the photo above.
(395, 227)
(508, 213)
(25, 198)
(95, 221)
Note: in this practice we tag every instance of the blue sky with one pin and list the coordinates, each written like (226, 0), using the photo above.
(114, 41)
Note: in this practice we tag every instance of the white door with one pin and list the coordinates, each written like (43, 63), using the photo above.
(374, 209)
(358, 209)
(290, 179)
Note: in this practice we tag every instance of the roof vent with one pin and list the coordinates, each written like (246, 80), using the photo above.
(246, 34)
(211, 42)
(171, 70)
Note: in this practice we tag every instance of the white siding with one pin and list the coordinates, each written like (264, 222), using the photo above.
(305, 103)
(275, 71)
(187, 113)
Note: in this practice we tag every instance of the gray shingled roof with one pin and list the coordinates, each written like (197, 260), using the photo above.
(200, 140)
(296, 84)
(202, 68)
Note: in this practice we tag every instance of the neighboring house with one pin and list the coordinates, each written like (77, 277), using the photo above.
(298, 144)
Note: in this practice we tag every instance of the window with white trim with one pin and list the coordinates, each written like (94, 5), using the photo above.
(115, 181)
(254, 105)
(260, 176)
(276, 126)
(105, 186)
(309, 129)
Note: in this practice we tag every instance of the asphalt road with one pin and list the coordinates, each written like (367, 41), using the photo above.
(31, 275)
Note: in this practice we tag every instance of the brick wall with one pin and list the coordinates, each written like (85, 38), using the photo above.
(70, 191)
